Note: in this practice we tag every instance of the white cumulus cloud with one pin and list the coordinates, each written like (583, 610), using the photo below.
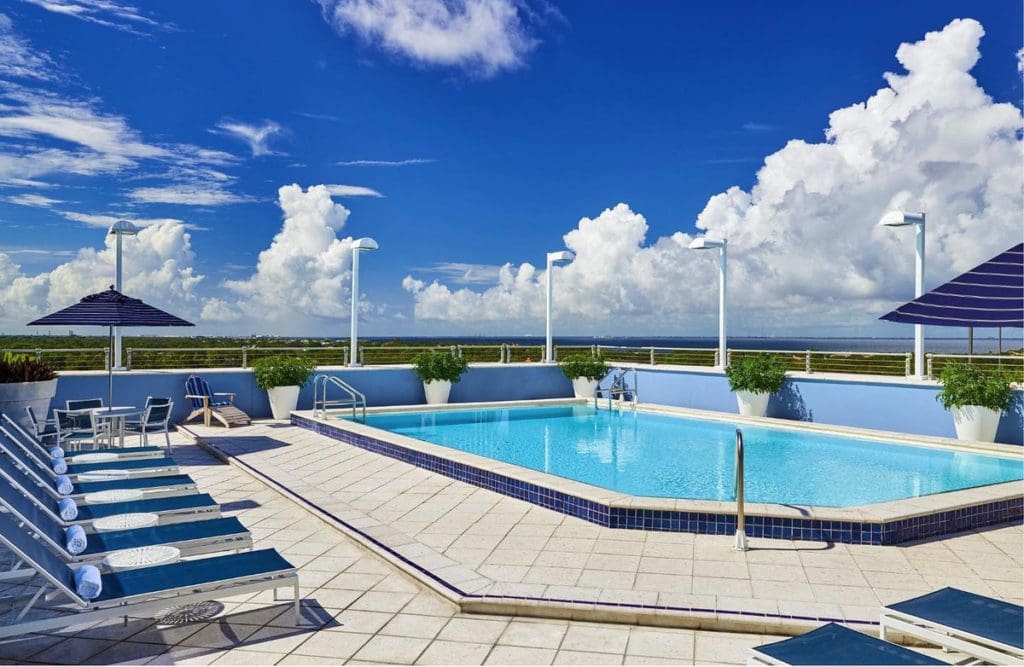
(483, 36)
(805, 248)
(158, 268)
(301, 279)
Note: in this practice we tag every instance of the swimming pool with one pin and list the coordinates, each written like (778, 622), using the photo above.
(657, 455)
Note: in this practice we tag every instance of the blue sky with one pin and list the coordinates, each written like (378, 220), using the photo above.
(660, 106)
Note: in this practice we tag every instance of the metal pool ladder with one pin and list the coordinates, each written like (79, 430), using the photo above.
(354, 398)
(741, 536)
(619, 388)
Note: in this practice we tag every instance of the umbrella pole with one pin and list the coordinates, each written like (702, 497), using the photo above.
(110, 371)
(970, 342)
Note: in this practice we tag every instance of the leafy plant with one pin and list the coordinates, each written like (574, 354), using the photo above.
(758, 374)
(23, 368)
(966, 384)
(432, 366)
(587, 366)
(282, 371)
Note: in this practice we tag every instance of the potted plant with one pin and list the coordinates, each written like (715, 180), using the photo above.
(438, 370)
(976, 397)
(585, 371)
(754, 379)
(283, 377)
(25, 382)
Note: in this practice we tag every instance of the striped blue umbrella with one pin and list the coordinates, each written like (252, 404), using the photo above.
(989, 295)
(111, 309)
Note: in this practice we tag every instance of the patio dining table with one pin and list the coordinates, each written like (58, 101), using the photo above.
(118, 415)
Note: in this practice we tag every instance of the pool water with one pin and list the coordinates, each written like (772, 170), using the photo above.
(647, 454)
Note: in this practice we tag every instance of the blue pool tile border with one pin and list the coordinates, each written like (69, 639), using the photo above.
(786, 528)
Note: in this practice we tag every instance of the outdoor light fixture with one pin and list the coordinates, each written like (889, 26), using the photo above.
(904, 219)
(359, 245)
(119, 229)
(560, 258)
(709, 244)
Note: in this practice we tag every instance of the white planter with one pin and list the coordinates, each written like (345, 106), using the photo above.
(753, 404)
(584, 387)
(437, 391)
(283, 400)
(974, 422)
(16, 396)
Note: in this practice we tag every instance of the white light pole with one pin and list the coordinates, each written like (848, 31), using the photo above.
(560, 258)
(904, 219)
(119, 229)
(359, 245)
(708, 244)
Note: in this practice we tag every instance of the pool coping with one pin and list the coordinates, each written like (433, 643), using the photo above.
(884, 523)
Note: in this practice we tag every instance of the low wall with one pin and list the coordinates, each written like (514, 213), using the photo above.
(392, 385)
(906, 406)
(886, 404)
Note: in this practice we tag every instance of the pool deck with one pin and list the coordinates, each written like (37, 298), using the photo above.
(489, 553)
(357, 609)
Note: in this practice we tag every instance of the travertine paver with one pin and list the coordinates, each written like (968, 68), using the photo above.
(493, 544)
(360, 609)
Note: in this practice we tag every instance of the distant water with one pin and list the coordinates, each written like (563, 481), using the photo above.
(938, 345)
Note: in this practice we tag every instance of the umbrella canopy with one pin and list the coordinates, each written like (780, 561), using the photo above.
(989, 295)
(111, 309)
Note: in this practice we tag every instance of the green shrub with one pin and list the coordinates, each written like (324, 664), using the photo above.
(283, 371)
(584, 366)
(966, 384)
(439, 366)
(23, 368)
(758, 374)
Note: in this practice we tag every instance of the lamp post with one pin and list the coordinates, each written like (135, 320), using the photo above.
(905, 219)
(119, 229)
(560, 258)
(358, 246)
(709, 244)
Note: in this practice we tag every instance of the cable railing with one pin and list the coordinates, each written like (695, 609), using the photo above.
(892, 364)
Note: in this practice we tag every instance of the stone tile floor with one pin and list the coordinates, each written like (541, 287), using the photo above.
(361, 610)
(506, 546)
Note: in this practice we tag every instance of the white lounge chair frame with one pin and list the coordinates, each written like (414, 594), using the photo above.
(946, 637)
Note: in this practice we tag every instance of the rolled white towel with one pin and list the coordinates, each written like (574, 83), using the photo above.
(60, 466)
(57, 452)
(76, 539)
(68, 509)
(88, 582)
(64, 485)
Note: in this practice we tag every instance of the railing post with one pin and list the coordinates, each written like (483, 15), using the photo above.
(128, 360)
(245, 356)
(652, 356)
(455, 350)
(906, 364)
(554, 353)
(715, 363)
(362, 356)
(928, 360)
(106, 358)
(344, 356)
(807, 362)
(39, 354)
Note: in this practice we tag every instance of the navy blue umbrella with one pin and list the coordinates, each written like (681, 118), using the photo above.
(111, 309)
(989, 295)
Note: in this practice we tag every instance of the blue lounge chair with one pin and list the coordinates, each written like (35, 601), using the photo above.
(210, 405)
(171, 509)
(142, 592)
(151, 487)
(42, 449)
(836, 645)
(192, 538)
(978, 626)
(132, 468)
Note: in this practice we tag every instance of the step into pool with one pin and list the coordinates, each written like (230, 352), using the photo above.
(672, 456)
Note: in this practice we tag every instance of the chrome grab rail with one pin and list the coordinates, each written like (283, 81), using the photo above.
(740, 543)
(619, 387)
(356, 399)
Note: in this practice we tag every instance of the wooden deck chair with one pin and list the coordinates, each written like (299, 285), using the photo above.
(210, 406)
